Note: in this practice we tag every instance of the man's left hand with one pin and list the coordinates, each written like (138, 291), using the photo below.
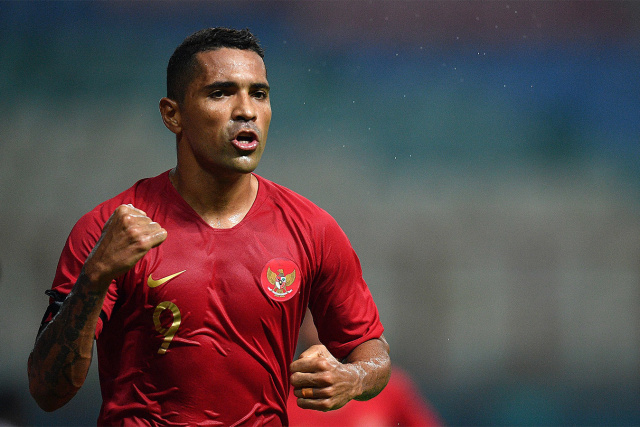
(323, 383)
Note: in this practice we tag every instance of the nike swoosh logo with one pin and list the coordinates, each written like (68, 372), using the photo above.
(155, 283)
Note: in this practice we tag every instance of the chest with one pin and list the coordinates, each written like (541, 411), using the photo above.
(205, 281)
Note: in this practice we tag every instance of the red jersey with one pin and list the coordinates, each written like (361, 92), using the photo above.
(203, 328)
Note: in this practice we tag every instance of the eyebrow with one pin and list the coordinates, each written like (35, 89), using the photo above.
(231, 84)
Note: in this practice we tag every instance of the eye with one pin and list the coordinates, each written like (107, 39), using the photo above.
(216, 94)
(260, 94)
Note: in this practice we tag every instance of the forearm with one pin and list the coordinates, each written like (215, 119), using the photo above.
(371, 361)
(323, 383)
(61, 356)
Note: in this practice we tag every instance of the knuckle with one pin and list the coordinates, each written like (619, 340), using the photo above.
(324, 378)
(144, 242)
(324, 364)
(122, 210)
(132, 232)
(127, 220)
(156, 228)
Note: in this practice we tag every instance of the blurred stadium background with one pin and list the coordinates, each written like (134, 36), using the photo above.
(483, 157)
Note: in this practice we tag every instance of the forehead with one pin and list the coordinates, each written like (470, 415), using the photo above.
(231, 65)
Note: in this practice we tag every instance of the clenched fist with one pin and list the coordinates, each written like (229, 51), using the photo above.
(321, 382)
(126, 237)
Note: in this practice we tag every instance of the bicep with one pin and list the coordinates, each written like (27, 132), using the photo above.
(342, 305)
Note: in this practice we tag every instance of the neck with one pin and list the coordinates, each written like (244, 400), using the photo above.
(221, 202)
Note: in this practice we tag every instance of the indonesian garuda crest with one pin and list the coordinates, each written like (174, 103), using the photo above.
(280, 282)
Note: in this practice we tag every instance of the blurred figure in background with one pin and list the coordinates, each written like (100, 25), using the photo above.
(399, 404)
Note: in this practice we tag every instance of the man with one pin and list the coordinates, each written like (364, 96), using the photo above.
(195, 282)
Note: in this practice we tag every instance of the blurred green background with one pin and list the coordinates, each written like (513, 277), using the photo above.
(483, 158)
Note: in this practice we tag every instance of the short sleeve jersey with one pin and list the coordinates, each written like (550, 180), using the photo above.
(203, 328)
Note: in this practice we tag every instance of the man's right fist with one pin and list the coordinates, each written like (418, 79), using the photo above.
(126, 237)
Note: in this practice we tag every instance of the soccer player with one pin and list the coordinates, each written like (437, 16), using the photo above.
(194, 283)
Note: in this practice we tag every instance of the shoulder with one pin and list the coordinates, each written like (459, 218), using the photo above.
(139, 195)
(292, 203)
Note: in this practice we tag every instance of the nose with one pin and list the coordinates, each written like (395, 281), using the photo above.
(244, 110)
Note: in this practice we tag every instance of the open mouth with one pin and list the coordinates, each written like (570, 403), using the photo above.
(246, 140)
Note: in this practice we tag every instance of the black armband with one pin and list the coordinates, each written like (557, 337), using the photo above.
(54, 307)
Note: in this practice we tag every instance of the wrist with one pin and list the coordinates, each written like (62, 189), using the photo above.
(358, 375)
(93, 279)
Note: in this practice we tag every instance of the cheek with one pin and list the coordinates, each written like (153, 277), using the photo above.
(205, 118)
(215, 126)
(266, 122)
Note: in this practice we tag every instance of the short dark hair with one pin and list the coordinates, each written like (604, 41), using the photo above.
(183, 64)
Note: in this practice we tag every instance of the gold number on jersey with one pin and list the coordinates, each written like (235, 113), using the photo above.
(169, 332)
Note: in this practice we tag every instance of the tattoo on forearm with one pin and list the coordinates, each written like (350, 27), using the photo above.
(60, 338)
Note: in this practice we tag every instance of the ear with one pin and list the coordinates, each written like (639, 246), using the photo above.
(170, 112)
